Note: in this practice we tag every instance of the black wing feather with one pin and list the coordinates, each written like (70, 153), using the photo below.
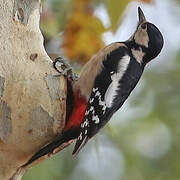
(97, 114)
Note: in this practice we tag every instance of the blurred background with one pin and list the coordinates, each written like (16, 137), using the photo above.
(142, 141)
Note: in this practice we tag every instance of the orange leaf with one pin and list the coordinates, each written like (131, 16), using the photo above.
(83, 32)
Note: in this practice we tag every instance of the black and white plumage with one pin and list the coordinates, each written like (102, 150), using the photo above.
(120, 71)
(105, 83)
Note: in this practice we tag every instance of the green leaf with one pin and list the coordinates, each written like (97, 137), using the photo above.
(115, 9)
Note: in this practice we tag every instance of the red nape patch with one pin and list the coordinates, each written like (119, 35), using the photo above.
(78, 112)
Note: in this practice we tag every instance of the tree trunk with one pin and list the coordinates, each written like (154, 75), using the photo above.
(32, 98)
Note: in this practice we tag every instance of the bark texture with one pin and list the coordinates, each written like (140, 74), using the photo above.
(32, 98)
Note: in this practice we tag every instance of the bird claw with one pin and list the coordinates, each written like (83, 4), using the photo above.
(65, 69)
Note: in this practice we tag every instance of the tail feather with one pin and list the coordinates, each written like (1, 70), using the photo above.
(47, 149)
(79, 145)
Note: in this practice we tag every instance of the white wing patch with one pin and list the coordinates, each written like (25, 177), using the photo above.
(111, 92)
(96, 119)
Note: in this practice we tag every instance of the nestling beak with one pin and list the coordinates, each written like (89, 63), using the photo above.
(141, 16)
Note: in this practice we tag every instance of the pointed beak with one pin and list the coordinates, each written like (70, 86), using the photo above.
(141, 16)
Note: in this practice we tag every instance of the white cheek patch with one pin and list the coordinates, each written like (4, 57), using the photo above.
(141, 38)
(111, 92)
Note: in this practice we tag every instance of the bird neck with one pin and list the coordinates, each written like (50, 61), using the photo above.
(137, 51)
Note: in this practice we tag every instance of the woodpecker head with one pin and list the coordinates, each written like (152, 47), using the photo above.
(148, 39)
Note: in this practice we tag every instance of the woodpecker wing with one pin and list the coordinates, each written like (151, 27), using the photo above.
(96, 109)
(112, 86)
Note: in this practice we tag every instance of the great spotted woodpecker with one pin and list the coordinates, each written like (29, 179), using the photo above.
(105, 83)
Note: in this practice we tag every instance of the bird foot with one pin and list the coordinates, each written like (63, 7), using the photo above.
(65, 69)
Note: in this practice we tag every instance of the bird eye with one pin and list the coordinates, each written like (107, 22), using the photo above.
(143, 26)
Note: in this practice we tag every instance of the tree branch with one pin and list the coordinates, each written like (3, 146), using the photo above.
(32, 99)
